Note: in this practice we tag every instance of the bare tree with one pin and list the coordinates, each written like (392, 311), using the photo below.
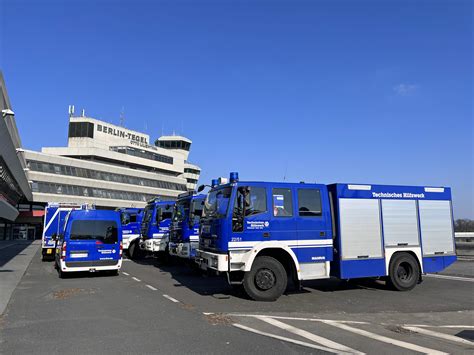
(464, 225)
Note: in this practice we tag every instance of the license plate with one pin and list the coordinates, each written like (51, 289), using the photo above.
(49, 251)
(79, 255)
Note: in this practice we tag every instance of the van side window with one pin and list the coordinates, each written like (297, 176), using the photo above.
(133, 218)
(282, 203)
(309, 202)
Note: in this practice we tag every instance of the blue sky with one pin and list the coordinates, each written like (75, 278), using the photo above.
(325, 91)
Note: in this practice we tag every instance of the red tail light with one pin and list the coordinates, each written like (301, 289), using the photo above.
(121, 248)
(63, 251)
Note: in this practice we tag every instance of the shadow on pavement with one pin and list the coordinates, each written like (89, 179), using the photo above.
(207, 284)
(10, 249)
(466, 334)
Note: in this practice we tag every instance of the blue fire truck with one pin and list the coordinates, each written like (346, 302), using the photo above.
(91, 241)
(184, 228)
(131, 223)
(54, 217)
(261, 234)
(155, 227)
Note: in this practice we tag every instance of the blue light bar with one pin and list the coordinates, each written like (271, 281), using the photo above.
(214, 182)
(234, 177)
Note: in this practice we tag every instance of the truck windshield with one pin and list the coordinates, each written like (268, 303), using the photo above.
(104, 231)
(148, 213)
(180, 211)
(217, 202)
(197, 207)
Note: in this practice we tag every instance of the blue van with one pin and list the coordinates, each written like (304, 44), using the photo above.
(91, 241)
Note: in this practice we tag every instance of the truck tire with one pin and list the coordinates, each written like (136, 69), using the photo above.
(134, 251)
(404, 272)
(267, 279)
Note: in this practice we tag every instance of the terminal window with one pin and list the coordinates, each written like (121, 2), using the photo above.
(81, 129)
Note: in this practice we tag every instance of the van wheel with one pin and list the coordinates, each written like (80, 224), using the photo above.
(62, 274)
(404, 272)
(267, 279)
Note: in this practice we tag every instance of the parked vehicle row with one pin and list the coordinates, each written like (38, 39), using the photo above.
(264, 235)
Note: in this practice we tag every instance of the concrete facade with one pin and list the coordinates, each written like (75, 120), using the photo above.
(110, 166)
(14, 183)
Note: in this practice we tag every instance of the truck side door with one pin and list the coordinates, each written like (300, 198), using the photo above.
(312, 222)
(283, 224)
(250, 217)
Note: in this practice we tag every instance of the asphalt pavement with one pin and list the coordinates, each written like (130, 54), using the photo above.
(153, 308)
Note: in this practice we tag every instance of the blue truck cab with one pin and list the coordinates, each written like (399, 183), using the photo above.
(91, 241)
(184, 228)
(261, 234)
(155, 226)
(131, 219)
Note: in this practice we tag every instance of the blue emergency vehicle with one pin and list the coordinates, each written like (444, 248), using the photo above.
(91, 241)
(54, 216)
(261, 234)
(131, 225)
(155, 227)
(184, 228)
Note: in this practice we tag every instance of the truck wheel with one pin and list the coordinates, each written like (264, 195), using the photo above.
(404, 272)
(133, 250)
(267, 279)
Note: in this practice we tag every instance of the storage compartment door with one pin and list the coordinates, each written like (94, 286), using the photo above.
(400, 223)
(436, 227)
(360, 229)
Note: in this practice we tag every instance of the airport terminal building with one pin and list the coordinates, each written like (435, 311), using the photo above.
(103, 164)
(110, 166)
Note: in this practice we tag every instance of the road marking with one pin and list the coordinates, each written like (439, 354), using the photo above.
(125, 273)
(151, 287)
(456, 278)
(439, 335)
(305, 334)
(171, 298)
(138, 280)
(295, 318)
(384, 339)
(289, 340)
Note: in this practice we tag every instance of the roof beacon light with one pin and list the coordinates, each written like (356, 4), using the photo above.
(234, 177)
(214, 182)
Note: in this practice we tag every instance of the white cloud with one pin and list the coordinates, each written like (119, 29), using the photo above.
(405, 89)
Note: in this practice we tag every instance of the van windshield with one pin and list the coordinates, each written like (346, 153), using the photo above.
(217, 202)
(104, 231)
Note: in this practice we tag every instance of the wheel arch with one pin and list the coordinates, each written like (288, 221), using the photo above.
(282, 253)
(415, 252)
(410, 252)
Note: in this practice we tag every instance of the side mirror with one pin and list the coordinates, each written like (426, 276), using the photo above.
(201, 187)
